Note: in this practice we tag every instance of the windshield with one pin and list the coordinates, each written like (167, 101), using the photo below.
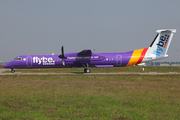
(18, 58)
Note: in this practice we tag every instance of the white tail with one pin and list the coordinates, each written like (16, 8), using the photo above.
(159, 47)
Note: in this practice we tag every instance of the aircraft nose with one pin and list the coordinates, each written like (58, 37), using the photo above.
(8, 65)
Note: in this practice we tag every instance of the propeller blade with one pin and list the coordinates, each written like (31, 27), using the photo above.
(62, 51)
(63, 62)
(62, 55)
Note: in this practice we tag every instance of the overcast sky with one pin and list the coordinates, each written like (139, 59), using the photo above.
(43, 26)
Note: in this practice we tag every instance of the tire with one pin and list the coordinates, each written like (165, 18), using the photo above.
(88, 70)
(85, 70)
(13, 71)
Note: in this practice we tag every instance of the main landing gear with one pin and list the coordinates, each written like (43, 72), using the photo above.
(86, 69)
(12, 70)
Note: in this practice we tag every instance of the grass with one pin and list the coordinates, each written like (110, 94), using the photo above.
(85, 96)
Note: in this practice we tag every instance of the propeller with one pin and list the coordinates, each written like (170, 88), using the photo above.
(62, 55)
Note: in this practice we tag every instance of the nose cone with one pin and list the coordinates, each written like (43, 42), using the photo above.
(8, 65)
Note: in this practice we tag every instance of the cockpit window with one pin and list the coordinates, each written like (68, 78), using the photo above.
(18, 59)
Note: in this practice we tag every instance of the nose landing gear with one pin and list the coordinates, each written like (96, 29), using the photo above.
(12, 70)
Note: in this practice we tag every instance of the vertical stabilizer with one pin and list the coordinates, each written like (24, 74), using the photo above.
(159, 47)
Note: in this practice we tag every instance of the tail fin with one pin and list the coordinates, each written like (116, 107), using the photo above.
(159, 47)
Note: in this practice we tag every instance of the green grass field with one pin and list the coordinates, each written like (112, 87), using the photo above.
(90, 97)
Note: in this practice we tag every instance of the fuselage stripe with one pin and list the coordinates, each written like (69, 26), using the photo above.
(137, 57)
(142, 55)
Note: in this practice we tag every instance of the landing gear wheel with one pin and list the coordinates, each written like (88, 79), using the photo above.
(87, 70)
(13, 71)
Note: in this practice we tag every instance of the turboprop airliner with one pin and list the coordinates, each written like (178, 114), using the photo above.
(86, 58)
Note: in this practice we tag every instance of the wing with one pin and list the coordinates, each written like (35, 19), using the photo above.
(85, 53)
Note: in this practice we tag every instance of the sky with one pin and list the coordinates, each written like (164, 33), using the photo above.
(37, 27)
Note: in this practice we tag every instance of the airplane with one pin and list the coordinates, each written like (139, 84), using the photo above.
(86, 58)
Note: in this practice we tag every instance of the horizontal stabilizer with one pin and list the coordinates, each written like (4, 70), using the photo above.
(166, 30)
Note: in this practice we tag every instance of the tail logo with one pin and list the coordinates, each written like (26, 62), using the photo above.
(162, 40)
(161, 44)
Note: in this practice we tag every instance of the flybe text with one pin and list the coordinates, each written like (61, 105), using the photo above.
(161, 45)
(44, 61)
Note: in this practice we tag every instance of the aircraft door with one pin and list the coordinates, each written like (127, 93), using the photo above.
(29, 61)
(119, 60)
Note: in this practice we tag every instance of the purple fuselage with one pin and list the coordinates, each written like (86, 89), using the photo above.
(71, 60)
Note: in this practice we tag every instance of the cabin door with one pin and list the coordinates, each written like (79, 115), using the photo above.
(29, 61)
(119, 59)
